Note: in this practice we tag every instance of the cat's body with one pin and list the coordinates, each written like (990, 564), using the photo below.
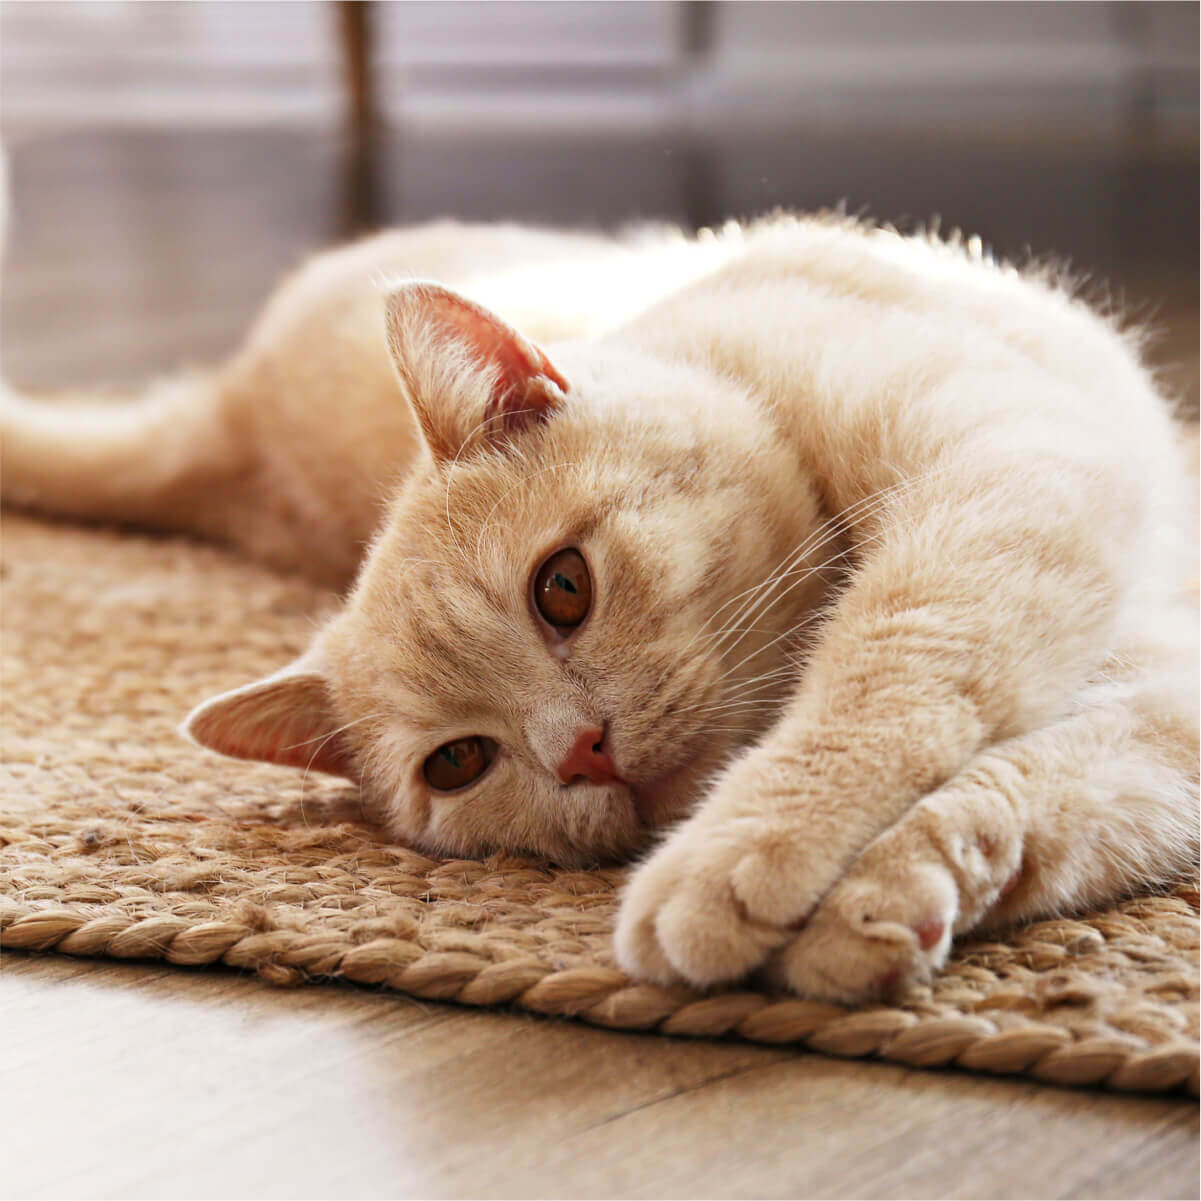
(866, 555)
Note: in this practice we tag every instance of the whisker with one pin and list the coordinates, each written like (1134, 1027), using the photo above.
(762, 704)
(324, 738)
(768, 679)
(791, 632)
(454, 463)
(508, 492)
(751, 695)
(321, 740)
(862, 510)
(738, 630)
(813, 541)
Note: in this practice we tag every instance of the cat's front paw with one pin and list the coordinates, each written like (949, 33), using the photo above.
(715, 901)
(888, 922)
(885, 926)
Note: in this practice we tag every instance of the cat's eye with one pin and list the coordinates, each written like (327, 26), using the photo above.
(563, 590)
(456, 764)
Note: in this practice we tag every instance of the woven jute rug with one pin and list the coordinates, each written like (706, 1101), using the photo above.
(117, 839)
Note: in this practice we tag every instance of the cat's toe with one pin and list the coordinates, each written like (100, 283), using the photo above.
(636, 939)
(871, 939)
(700, 910)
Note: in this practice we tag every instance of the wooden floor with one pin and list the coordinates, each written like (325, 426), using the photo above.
(126, 1080)
(135, 1081)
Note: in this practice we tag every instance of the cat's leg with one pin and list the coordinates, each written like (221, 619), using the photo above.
(994, 590)
(1069, 817)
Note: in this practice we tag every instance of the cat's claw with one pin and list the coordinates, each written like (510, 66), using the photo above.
(882, 928)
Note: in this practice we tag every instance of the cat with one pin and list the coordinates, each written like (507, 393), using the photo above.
(839, 584)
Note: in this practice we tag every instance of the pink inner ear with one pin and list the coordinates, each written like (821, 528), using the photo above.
(521, 394)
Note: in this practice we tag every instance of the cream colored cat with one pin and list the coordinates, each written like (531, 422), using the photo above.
(856, 558)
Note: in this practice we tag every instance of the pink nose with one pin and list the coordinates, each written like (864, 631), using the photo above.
(588, 758)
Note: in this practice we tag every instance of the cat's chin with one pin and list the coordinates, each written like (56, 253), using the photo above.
(665, 799)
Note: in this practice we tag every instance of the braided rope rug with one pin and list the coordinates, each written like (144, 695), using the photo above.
(117, 839)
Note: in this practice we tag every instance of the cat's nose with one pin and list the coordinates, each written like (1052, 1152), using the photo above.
(588, 758)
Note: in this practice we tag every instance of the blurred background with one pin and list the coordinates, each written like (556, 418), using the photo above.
(169, 161)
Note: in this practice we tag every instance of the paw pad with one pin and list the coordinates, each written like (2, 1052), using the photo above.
(929, 932)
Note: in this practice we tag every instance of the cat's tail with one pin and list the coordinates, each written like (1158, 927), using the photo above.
(154, 459)
(146, 459)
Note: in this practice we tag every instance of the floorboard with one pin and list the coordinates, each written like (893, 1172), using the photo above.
(130, 1080)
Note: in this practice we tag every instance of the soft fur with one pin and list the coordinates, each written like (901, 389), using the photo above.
(887, 544)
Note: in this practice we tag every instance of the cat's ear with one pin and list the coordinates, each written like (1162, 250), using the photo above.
(469, 376)
(285, 718)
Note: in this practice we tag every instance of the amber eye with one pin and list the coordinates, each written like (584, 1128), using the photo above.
(563, 589)
(459, 763)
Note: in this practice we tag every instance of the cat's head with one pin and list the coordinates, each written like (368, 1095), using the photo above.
(566, 624)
